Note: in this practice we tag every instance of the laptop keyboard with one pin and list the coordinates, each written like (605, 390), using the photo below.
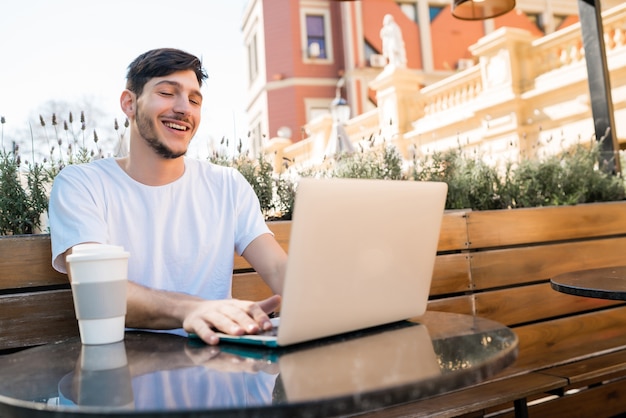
(269, 333)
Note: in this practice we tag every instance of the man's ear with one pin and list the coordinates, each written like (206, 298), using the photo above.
(128, 103)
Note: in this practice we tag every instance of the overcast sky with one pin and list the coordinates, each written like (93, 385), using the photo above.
(78, 50)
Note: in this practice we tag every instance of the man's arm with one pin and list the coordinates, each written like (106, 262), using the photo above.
(159, 309)
(268, 259)
(234, 316)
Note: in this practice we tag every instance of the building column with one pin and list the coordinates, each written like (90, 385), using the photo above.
(426, 43)
(397, 93)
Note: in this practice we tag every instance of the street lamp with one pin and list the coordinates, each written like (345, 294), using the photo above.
(339, 142)
(481, 9)
(339, 109)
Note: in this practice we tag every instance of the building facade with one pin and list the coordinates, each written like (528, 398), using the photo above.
(298, 50)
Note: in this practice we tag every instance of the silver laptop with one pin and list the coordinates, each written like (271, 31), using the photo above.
(361, 254)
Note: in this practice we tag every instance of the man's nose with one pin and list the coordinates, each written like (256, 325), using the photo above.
(182, 106)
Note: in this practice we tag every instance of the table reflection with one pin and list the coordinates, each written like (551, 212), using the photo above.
(397, 357)
(101, 378)
(347, 374)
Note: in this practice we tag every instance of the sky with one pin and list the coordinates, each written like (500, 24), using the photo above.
(77, 51)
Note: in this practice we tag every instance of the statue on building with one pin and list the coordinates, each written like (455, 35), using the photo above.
(393, 44)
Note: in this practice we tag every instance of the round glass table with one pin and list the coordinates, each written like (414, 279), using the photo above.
(601, 283)
(160, 374)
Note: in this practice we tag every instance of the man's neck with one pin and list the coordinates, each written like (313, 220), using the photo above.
(151, 169)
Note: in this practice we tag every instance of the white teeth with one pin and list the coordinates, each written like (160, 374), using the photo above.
(175, 126)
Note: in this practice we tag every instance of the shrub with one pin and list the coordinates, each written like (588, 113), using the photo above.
(276, 193)
(471, 182)
(21, 206)
(569, 178)
(575, 176)
(383, 163)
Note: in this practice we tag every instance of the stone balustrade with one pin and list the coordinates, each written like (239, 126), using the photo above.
(520, 95)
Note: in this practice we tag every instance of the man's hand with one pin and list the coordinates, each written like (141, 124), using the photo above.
(231, 316)
(161, 309)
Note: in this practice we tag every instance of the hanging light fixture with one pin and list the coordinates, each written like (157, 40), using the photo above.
(481, 9)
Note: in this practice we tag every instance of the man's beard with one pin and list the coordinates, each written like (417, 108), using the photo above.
(147, 132)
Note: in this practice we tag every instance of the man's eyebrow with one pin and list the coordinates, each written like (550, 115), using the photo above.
(178, 85)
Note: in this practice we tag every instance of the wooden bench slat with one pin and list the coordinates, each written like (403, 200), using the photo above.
(540, 302)
(473, 399)
(250, 286)
(523, 226)
(27, 262)
(503, 267)
(561, 341)
(451, 274)
(610, 396)
(591, 369)
(36, 318)
(453, 234)
(282, 232)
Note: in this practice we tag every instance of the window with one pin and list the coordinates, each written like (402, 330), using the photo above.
(542, 21)
(434, 11)
(253, 59)
(537, 19)
(316, 107)
(372, 56)
(410, 10)
(315, 36)
(316, 112)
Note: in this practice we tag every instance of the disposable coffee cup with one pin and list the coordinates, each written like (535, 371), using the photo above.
(99, 276)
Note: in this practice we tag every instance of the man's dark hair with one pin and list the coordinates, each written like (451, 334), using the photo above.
(159, 63)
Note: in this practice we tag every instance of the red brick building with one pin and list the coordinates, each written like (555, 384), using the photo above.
(297, 51)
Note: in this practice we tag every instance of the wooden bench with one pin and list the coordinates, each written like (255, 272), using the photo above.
(36, 304)
(494, 264)
(497, 265)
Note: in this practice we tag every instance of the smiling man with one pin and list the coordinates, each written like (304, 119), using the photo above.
(179, 218)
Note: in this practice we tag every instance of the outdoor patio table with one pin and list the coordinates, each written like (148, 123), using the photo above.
(168, 375)
(603, 283)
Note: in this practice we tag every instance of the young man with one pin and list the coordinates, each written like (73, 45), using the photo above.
(179, 218)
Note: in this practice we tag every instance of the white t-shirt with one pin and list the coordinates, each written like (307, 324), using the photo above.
(181, 236)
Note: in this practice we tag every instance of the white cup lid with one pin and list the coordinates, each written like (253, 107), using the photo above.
(96, 251)
(100, 248)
